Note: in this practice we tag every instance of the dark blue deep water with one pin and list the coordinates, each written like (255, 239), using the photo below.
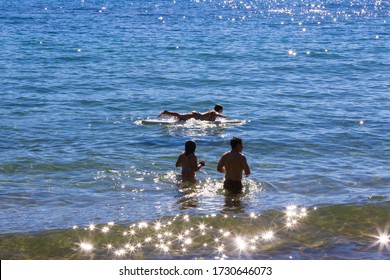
(309, 79)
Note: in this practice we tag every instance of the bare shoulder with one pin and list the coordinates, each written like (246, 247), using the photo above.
(241, 157)
(224, 156)
(193, 156)
(182, 155)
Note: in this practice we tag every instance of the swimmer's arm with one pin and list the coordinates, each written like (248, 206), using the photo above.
(246, 168)
(195, 165)
(221, 165)
(179, 161)
(220, 115)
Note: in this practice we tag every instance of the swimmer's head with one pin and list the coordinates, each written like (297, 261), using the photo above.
(235, 143)
(218, 108)
(190, 147)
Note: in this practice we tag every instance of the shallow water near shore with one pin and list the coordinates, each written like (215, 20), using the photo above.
(82, 178)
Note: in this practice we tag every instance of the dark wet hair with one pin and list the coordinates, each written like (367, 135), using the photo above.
(235, 141)
(190, 147)
(218, 108)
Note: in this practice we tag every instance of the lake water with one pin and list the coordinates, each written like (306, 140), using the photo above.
(82, 177)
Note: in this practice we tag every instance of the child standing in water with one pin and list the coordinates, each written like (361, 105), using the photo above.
(188, 162)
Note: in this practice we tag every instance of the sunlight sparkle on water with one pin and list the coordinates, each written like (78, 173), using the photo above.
(382, 239)
(164, 248)
(292, 52)
(220, 249)
(180, 237)
(120, 252)
(105, 229)
(188, 241)
(157, 225)
(202, 227)
(87, 247)
(142, 225)
(241, 244)
(268, 236)
(185, 234)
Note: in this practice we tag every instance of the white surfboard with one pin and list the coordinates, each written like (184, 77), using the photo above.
(175, 122)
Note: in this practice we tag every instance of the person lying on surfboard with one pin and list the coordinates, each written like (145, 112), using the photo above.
(211, 115)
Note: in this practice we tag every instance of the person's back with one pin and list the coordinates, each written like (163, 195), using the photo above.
(213, 114)
(210, 116)
(233, 164)
(188, 165)
(187, 160)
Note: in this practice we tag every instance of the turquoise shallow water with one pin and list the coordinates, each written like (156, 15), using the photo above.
(310, 80)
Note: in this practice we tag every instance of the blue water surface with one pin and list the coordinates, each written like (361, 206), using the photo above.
(310, 80)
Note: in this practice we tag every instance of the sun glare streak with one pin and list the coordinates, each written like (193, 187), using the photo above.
(157, 225)
(148, 240)
(120, 252)
(292, 52)
(164, 248)
(188, 241)
(86, 247)
(293, 215)
(142, 225)
(268, 236)
(241, 243)
(382, 239)
(202, 227)
(105, 229)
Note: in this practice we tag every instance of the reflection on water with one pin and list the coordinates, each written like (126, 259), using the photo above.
(233, 204)
(210, 191)
(188, 195)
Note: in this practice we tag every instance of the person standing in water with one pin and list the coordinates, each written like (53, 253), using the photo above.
(234, 164)
(210, 115)
(188, 162)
